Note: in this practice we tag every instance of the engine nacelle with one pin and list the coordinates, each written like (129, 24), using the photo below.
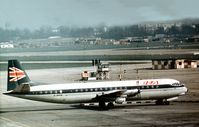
(131, 92)
(120, 100)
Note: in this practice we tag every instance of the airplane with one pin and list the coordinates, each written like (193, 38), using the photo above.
(106, 93)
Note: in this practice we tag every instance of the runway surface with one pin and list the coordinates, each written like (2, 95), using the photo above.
(16, 112)
(176, 114)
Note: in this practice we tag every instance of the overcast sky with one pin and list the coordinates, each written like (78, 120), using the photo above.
(36, 13)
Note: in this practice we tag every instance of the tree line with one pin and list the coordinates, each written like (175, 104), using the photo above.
(113, 32)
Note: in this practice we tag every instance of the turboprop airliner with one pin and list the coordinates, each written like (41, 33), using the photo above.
(105, 93)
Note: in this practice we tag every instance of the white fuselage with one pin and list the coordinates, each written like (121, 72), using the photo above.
(151, 89)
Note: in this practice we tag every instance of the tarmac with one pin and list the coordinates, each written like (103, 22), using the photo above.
(15, 112)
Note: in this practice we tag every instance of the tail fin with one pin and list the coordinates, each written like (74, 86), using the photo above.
(17, 77)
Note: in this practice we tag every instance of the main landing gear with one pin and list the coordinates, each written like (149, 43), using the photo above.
(103, 106)
(162, 102)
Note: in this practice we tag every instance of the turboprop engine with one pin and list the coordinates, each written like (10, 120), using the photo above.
(123, 97)
(132, 92)
(120, 100)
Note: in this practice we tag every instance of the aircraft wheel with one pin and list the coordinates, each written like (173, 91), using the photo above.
(159, 102)
(102, 105)
(110, 105)
(166, 102)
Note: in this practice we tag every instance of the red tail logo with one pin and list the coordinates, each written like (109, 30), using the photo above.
(16, 74)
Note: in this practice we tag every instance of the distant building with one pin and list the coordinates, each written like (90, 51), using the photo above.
(116, 42)
(6, 45)
(163, 64)
(124, 42)
(186, 64)
(146, 40)
(179, 63)
(173, 64)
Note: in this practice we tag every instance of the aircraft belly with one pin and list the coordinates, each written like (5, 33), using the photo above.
(77, 98)
(61, 98)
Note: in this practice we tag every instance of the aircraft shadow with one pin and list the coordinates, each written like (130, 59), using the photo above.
(34, 109)
(121, 106)
(70, 107)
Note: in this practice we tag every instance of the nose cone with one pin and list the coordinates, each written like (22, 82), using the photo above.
(184, 90)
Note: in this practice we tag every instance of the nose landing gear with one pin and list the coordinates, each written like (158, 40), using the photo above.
(103, 106)
(162, 102)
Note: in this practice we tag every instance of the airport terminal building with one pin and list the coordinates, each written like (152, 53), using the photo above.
(173, 64)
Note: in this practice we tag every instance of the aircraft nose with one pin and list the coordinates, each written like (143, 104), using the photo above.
(185, 89)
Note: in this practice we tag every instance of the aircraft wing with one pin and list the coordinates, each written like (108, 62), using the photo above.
(113, 95)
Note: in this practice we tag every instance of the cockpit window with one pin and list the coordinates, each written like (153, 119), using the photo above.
(177, 84)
